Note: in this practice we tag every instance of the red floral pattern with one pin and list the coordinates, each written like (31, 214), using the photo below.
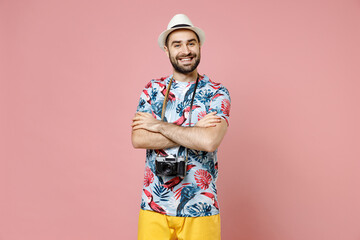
(225, 106)
(149, 177)
(203, 178)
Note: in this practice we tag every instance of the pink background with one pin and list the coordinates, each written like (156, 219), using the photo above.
(71, 75)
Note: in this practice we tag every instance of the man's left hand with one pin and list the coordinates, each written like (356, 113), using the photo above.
(146, 121)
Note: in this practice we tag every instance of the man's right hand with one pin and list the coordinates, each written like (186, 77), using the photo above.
(209, 120)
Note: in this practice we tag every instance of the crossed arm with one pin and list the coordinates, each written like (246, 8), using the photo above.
(150, 133)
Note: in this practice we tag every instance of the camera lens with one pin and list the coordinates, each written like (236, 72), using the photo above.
(168, 168)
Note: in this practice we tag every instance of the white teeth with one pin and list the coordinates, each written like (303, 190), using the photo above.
(185, 59)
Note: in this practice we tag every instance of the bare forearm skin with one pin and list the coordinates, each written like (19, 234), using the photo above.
(198, 138)
(145, 139)
(151, 133)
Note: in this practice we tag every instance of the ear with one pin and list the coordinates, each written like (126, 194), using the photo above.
(166, 51)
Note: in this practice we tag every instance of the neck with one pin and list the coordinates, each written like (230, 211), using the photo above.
(188, 77)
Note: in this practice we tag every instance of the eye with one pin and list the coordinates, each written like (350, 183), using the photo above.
(177, 45)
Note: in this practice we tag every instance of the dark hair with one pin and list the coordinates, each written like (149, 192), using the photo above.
(167, 37)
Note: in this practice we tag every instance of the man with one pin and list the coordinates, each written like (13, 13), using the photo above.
(182, 118)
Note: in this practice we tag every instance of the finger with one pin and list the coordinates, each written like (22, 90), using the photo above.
(139, 114)
(210, 114)
(138, 127)
(137, 119)
(142, 113)
(213, 122)
(146, 114)
(213, 116)
(136, 123)
(212, 119)
(217, 119)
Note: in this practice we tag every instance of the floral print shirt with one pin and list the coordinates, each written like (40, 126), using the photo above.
(196, 194)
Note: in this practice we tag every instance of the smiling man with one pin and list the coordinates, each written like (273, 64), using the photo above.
(181, 121)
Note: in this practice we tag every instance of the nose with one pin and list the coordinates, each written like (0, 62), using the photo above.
(185, 49)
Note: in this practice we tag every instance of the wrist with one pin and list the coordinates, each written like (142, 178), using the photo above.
(162, 126)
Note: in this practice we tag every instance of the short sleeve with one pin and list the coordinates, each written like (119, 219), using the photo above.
(221, 102)
(145, 99)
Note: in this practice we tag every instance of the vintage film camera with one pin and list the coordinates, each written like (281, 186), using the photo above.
(170, 166)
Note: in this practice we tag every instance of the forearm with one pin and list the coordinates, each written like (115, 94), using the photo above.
(145, 139)
(198, 138)
(151, 133)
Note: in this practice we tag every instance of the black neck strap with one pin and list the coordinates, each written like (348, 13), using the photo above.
(192, 100)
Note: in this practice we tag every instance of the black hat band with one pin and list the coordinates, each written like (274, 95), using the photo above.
(181, 25)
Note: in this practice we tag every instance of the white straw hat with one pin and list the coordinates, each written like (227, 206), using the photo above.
(180, 21)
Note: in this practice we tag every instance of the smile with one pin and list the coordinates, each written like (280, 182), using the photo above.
(186, 60)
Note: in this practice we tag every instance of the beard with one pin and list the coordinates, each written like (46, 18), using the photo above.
(184, 69)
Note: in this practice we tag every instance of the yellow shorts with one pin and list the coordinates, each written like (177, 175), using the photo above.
(156, 226)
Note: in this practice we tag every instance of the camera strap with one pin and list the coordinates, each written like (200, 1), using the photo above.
(191, 105)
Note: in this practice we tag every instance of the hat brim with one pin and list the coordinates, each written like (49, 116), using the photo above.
(164, 34)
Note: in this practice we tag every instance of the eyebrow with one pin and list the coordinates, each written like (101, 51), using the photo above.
(190, 40)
